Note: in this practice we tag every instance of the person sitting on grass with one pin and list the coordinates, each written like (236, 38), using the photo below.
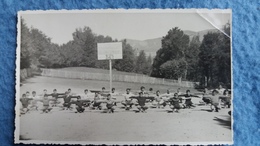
(110, 103)
(206, 100)
(55, 96)
(165, 97)
(25, 102)
(34, 105)
(46, 103)
(80, 104)
(188, 103)
(174, 103)
(158, 101)
(67, 99)
(96, 103)
(141, 99)
(215, 101)
(128, 103)
(226, 99)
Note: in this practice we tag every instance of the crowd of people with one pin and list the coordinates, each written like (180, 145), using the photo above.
(106, 100)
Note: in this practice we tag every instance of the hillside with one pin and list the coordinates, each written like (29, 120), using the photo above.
(150, 46)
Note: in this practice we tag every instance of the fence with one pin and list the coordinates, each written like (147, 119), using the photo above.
(116, 77)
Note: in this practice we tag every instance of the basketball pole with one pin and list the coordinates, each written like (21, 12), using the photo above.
(110, 74)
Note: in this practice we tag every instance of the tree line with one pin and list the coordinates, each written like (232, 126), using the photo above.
(207, 62)
(37, 51)
(180, 57)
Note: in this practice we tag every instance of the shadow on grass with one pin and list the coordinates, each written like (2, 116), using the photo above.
(225, 122)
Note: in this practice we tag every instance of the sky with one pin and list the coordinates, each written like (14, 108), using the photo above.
(121, 24)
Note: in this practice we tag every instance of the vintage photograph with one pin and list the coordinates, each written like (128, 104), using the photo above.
(117, 76)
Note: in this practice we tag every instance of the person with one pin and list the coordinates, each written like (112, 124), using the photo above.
(141, 99)
(67, 99)
(128, 103)
(165, 97)
(103, 90)
(46, 103)
(188, 103)
(34, 101)
(113, 90)
(25, 102)
(80, 104)
(220, 90)
(158, 101)
(174, 103)
(55, 96)
(96, 103)
(215, 100)
(44, 92)
(226, 98)
(206, 100)
(110, 103)
(150, 91)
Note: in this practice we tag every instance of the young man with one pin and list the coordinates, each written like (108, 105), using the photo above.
(158, 101)
(174, 103)
(110, 103)
(141, 99)
(25, 102)
(34, 101)
(188, 103)
(226, 99)
(67, 99)
(55, 96)
(96, 103)
(215, 100)
(80, 104)
(165, 97)
(128, 103)
(46, 103)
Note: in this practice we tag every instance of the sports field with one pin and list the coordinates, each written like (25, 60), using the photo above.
(157, 125)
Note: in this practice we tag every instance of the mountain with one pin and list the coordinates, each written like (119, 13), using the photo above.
(150, 46)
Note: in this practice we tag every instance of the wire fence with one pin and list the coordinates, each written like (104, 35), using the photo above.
(116, 77)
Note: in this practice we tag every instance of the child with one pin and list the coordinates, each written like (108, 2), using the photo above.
(55, 96)
(46, 103)
(214, 100)
(165, 97)
(226, 99)
(110, 104)
(96, 103)
(25, 103)
(67, 98)
(80, 104)
(141, 99)
(174, 103)
(188, 103)
(127, 102)
(34, 101)
(158, 101)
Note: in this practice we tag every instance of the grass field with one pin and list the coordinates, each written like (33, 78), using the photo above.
(157, 125)
(97, 70)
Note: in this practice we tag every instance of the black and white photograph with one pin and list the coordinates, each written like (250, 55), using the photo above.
(118, 76)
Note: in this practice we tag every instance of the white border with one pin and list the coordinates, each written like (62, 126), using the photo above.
(17, 106)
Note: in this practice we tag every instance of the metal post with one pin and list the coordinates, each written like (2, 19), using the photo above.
(110, 74)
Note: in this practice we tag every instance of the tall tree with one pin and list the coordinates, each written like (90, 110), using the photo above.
(174, 45)
(128, 62)
(215, 59)
(192, 58)
(141, 63)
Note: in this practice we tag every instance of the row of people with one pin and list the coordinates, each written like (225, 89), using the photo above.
(83, 100)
